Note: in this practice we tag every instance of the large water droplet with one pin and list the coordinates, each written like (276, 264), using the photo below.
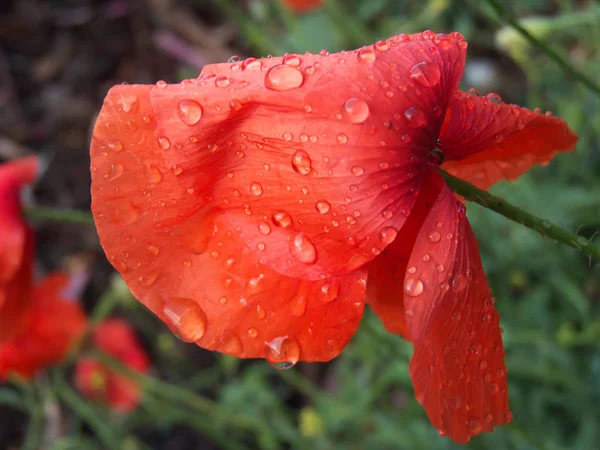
(330, 290)
(282, 219)
(301, 162)
(366, 55)
(298, 306)
(413, 288)
(256, 189)
(356, 110)
(189, 112)
(154, 174)
(435, 157)
(323, 206)
(387, 235)
(284, 352)
(283, 78)
(426, 74)
(415, 117)
(114, 172)
(434, 237)
(185, 318)
(302, 249)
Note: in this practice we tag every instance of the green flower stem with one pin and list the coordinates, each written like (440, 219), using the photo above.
(180, 396)
(500, 9)
(35, 428)
(543, 227)
(106, 434)
(60, 215)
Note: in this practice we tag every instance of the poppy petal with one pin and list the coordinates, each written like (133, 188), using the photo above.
(457, 367)
(486, 141)
(16, 247)
(186, 263)
(309, 156)
(385, 284)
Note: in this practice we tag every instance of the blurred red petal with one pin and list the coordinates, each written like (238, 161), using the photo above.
(301, 6)
(16, 247)
(323, 145)
(458, 367)
(54, 325)
(486, 141)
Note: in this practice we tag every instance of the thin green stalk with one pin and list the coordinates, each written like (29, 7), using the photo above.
(552, 54)
(180, 396)
(543, 227)
(89, 414)
(35, 428)
(60, 215)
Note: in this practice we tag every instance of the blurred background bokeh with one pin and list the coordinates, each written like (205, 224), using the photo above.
(57, 60)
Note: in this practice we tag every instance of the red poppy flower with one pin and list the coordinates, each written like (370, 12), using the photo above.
(16, 247)
(96, 381)
(301, 6)
(55, 324)
(246, 208)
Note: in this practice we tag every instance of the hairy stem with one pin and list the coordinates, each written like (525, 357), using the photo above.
(60, 215)
(543, 227)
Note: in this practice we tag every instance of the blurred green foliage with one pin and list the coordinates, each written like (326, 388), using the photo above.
(548, 295)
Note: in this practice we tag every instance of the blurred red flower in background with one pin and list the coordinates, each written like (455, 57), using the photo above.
(301, 6)
(55, 323)
(247, 207)
(16, 247)
(96, 381)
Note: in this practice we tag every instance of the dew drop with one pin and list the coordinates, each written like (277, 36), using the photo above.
(116, 146)
(235, 105)
(357, 171)
(189, 112)
(292, 60)
(252, 332)
(415, 117)
(301, 162)
(330, 290)
(342, 138)
(356, 110)
(434, 237)
(256, 189)
(154, 174)
(282, 219)
(298, 306)
(442, 41)
(222, 81)
(323, 206)
(284, 352)
(366, 55)
(164, 142)
(114, 172)
(474, 426)
(283, 77)
(185, 318)
(387, 235)
(413, 288)
(302, 249)
(426, 74)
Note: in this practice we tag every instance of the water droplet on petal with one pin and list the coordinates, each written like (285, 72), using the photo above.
(222, 81)
(284, 352)
(413, 288)
(252, 332)
(434, 237)
(442, 41)
(189, 112)
(235, 105)
(114, 172)
(426, 73)
(116, 146)
(302, 249)
(256, 189)
(154, 174)
(382, 46)
(415, 117)
(474, 426)
(185, 318)
(356, 110)
(282, 219)
(323, 206)
(366, 55)
(301, 162)
(387, 235)
(283, 78)
(298, 306)
(330, 290)
(292, 60)
(357, 171)
(164, 142)
(342, 138)
(231, 344)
